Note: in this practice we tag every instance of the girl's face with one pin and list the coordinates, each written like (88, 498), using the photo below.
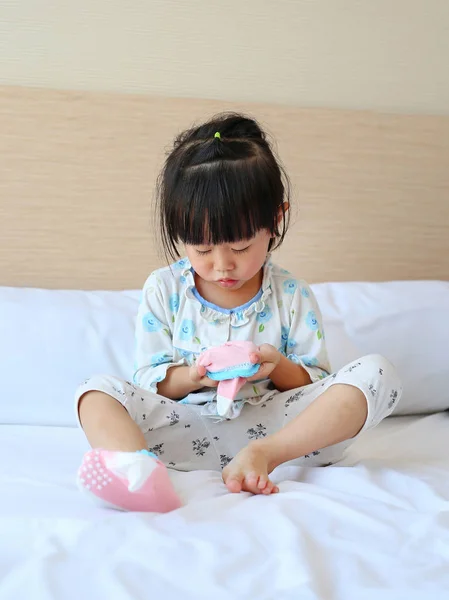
(229, 266)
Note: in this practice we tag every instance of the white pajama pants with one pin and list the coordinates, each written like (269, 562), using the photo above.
(186, 440)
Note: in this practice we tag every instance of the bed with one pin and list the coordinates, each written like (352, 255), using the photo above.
(76, 243)
(376, 526)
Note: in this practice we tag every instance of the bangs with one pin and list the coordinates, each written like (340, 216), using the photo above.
(221, 183)
(225, 202)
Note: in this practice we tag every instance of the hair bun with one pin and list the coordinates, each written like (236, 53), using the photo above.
(229, 125)
(240, 127)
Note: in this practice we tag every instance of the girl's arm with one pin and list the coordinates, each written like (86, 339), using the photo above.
(305, 346)
(181, 381)
(154, 359)
(177, 383)
(306, 359)
(155, 369)
(285, 374)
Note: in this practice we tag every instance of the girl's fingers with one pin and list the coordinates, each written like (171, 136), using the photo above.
(195, 374)
(264, 370)
(260, 372)
(269, 353)
(254, 358)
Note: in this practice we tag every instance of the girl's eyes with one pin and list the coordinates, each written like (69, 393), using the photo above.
(203, 252)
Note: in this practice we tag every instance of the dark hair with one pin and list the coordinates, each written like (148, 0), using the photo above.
(221, 188)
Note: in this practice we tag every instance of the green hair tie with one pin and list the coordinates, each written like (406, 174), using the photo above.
(217, 135)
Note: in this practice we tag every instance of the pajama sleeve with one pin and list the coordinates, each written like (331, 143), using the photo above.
(154, 347)
(305, 344)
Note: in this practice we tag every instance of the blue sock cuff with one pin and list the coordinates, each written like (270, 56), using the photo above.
(243, 370)
(147, 452)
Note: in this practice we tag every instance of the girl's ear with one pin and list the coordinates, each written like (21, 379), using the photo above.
(281, 213)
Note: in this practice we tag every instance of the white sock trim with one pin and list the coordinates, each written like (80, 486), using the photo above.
(133, 466)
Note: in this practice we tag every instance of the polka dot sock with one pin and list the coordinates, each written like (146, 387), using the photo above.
(134, 481)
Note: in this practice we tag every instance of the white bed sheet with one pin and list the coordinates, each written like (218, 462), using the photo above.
(375, 526)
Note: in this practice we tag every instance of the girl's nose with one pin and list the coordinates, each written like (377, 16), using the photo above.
(223, 263)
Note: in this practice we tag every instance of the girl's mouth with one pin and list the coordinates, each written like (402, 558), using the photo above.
(227, 282)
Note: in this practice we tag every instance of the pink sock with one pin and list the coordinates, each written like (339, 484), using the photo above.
(229, 364)
(132, 481)
(227, 390)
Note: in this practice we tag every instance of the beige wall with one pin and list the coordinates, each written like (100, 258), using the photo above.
(384, 54)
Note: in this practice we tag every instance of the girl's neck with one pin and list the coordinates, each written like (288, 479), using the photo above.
(229, 299)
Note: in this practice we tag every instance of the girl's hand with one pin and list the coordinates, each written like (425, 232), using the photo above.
(268, 357)
(198, 377)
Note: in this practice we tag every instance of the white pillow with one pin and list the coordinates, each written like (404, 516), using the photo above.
(405, 321)
(50, 341)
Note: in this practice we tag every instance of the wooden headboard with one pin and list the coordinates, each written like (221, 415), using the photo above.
(77, 174)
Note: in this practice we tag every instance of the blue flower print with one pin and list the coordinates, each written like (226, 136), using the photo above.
(173, 302)
(182, 279)
(184, 353)
(264, 317)
(290, 286)
(159, 358)
(305, 292)
(150, 323)
(291, 344)
(294, 358)
(181, 264)
(187, 330)
(284, 338)
(189, 356)
(310, 361)
(312, 321)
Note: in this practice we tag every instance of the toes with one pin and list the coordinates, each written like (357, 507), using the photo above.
(234, 483)
(268, 489)
(263, 482)
(251, 483)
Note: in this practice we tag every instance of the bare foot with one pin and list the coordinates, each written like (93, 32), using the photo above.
(248, 471)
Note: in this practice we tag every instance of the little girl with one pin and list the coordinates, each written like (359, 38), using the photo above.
(223, 195)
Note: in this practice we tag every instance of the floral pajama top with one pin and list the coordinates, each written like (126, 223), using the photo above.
(175, 324)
